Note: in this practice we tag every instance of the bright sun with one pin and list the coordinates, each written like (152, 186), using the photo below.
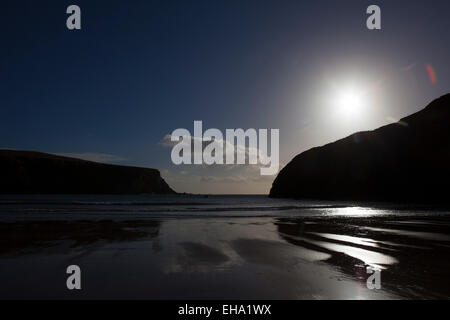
(349, 103)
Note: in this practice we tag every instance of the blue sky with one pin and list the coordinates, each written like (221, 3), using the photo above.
(140, 69)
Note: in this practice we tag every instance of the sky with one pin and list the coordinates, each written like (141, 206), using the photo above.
(137, 70)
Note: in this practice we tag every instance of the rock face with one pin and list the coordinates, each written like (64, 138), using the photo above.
(404, 161)
(25, 172)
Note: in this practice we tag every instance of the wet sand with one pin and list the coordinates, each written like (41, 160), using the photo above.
(228, 258)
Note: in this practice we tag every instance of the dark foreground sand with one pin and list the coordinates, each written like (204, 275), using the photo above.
(228, 258)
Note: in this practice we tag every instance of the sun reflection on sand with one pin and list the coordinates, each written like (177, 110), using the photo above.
(371, 258)
(355, 212)
(355, 240)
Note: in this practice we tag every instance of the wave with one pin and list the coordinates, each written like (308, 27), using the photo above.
(169, 209)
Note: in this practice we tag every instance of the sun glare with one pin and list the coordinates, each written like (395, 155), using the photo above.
(349, 103)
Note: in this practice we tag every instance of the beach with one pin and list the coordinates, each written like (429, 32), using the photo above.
(220, 247)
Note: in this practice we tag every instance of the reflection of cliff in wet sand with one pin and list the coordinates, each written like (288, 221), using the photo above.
(27, 237)
(404, 161)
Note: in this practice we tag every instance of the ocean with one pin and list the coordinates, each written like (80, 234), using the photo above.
(91, 207)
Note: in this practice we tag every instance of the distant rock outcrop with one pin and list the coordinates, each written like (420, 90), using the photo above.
(26, 172)
(404, 161)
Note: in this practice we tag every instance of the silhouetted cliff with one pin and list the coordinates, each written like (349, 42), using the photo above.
(25, 172)
(404, 161)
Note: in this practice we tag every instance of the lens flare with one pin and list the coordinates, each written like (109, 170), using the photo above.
(431, 73)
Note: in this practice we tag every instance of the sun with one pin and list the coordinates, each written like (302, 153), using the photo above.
(349, 102)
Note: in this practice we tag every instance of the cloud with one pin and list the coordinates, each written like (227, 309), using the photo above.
(92, 156)
(187, 141)
(218, 179)
(167, 142)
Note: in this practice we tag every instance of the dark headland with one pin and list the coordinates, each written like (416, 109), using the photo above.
(26, 172)
(404, 161)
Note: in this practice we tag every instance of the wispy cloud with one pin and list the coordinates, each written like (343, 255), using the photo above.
(166, 141)
(187, 142)
(222, 179)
